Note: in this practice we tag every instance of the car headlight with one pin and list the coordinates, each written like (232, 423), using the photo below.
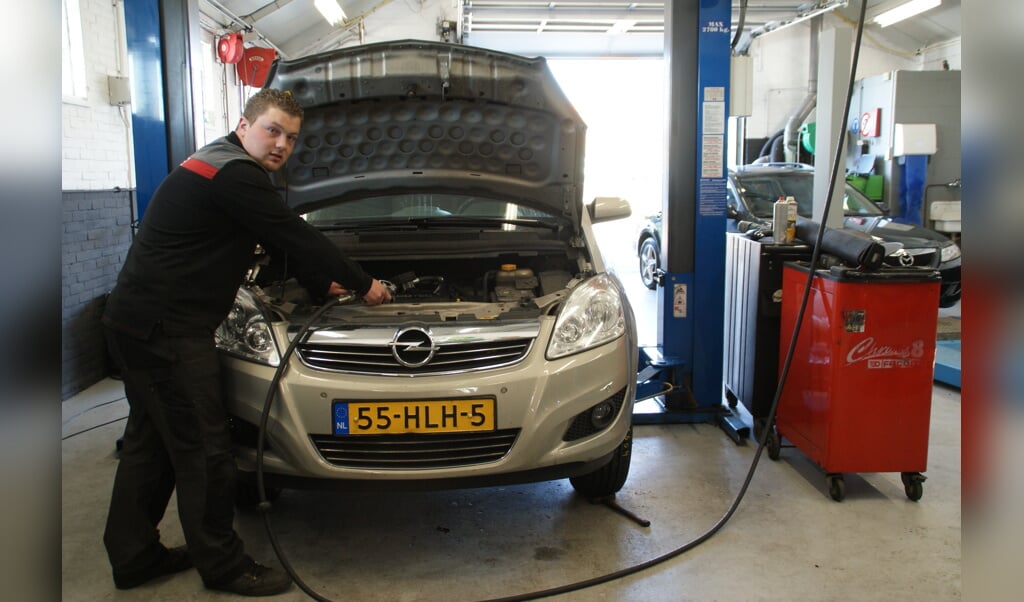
(246, 333)
(591, 316)
(949, 252)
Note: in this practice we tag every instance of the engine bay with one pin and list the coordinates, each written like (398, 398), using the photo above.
(506, 287)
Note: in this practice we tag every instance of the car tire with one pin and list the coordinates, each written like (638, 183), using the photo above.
(610, 478)
(650, 263)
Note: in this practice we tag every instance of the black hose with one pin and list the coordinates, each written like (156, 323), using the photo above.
(265, 505)
(271, 391)
(778, 391)
(777, 153)
(766, 148)
(740, 25)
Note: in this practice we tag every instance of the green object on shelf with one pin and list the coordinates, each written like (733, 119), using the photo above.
(807, 136)
(871, 185)
(873, 189)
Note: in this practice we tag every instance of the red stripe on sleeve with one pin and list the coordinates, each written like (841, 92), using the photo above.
(200, 167)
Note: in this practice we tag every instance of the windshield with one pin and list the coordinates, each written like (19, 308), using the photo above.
(760, 191)
(402, 207)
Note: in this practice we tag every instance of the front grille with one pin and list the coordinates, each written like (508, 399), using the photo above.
(378, 359)
(922, 259)
(415, 452)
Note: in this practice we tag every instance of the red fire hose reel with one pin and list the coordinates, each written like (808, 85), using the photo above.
(230, 49)
(252, 64)
(255, 65)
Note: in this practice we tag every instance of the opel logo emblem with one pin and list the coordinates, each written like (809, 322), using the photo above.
(906, 259)
(412, 347)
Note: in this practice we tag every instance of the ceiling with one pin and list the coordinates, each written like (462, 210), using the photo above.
(295, 27)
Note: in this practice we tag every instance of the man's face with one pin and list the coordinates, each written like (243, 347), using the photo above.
(270, 139)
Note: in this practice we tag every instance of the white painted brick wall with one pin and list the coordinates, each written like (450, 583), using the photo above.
(96, 141)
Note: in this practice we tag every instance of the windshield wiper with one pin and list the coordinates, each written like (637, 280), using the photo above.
(436, 222)
(376, 224)
(462, 221)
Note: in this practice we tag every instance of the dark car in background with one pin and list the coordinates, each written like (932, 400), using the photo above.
(753, 190)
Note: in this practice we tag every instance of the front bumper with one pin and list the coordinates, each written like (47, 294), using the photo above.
(536, 399)
(949, 292)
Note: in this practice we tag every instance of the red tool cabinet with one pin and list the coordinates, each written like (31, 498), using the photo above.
(858, 394)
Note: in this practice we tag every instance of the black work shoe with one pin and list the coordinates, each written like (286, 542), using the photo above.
(256, 580)
(175, 561)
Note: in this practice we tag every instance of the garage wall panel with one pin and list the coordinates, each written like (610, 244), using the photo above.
(782, 72)
(942, 57)
(94, 240)
(95, 141)
(96, 184)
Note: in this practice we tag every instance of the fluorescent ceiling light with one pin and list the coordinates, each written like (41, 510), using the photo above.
(331, 11)
(621, 26)
(905, 11)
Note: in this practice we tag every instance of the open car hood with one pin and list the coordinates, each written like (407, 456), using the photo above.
(413, 116)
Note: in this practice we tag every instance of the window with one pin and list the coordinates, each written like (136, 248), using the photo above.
(73, 83)
(625, 126)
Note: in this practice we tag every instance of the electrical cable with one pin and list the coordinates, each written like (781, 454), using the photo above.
(778, 391)
(668, 388)
(739, 27)
(875, 43)
(92, 428)
(75, 417)
(264, 505)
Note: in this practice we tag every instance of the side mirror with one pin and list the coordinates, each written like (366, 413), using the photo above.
(730, 212)
(607, 208)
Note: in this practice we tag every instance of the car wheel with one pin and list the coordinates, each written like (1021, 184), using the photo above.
(650, 257)
(609, 478)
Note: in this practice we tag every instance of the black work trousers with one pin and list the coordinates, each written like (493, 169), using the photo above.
(176, 437)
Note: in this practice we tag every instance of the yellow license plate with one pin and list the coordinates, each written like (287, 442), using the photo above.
(397, 417)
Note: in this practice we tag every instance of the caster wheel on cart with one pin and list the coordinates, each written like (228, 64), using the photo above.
(773, 443)
(836, 486)
(913, 485)
(760, 426)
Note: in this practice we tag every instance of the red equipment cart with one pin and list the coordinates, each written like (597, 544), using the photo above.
(858, 394)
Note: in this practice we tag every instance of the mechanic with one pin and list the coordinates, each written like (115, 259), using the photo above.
(177, 284)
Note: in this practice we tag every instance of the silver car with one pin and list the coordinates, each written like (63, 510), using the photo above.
(454, 174)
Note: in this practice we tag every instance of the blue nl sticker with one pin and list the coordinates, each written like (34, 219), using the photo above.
(341, 419)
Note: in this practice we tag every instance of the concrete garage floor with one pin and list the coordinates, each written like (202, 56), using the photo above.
(787, 541)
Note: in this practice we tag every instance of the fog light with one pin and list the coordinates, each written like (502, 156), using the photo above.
(601, 415)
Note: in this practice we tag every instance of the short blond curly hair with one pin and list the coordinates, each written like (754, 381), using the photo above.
(268, 98)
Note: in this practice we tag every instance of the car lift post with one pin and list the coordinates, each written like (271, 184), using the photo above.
(161, 39)
(688, 357)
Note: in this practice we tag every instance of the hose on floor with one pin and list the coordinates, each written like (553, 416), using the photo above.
(778, 390)
(275, 382)
(264, 505)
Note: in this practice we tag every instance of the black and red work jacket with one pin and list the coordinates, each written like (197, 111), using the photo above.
(196, 242)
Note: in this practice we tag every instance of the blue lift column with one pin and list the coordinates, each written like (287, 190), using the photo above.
(688, 358)
(161, 35)
(149, 121)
